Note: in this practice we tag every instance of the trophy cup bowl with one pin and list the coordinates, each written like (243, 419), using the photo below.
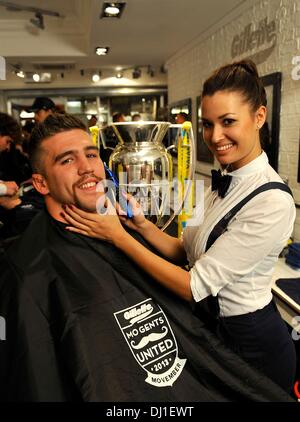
(144, 167)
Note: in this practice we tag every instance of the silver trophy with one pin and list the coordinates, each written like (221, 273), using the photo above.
(144, 167)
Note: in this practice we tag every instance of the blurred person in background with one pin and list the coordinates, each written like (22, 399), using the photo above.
(136, 117)
(181, 118)
(26, 133)
(17, 207)
(42, 107)
(118, 118)
(14, 165)
(93, 120)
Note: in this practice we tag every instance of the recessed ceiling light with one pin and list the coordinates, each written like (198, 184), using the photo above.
(96, 76)
(101, 51)
(112, 9)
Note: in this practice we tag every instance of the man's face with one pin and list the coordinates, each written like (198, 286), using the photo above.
(72, 168)
(5, 142)
(41, 115)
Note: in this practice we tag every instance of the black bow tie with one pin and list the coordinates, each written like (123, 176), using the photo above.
(219, 182)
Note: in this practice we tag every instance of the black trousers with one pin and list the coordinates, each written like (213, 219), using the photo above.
(263, 340)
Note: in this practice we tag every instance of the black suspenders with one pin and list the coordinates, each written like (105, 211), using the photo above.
(210, 305)
(221, 226)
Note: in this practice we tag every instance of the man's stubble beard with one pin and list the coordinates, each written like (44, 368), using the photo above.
(84, 206)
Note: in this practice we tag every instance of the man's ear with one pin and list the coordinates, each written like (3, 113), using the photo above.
(40, 183)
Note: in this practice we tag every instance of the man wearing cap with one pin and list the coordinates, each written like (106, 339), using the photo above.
(42, 107)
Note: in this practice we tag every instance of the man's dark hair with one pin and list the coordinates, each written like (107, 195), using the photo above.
(9, 127)
(52, 125)
(241, 76)
(117, 117)
(183, 114)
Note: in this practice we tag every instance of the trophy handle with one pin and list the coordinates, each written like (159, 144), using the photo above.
(188, 127)
(171, 147)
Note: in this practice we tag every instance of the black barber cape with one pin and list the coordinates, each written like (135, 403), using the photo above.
(84, 323)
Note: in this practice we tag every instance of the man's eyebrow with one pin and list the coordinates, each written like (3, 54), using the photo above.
(63, 154)
(74, 152)
(91, 148)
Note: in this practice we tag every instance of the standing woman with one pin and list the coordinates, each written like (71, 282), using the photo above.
(234, 264)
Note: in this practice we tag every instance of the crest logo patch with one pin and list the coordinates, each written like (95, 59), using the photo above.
(151, 341)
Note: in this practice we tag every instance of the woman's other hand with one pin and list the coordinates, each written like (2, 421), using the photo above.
(138, 222)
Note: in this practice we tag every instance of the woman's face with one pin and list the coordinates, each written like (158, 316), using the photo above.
(231, 129)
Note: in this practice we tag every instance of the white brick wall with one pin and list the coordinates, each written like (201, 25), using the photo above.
(188, 69)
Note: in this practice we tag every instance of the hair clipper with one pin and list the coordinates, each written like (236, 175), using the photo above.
(123, 202)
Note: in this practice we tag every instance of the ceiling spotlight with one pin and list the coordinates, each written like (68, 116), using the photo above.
(101, 51)
(119, 74)
(36, 77)
(45, 77)
(20, 73)
(96, 77)
(112, 9)
(38, 21)
(136, 73)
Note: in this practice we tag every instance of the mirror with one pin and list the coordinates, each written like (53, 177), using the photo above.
(203, 152)
(269, 133)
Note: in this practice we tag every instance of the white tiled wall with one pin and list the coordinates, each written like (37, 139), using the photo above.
(188, 69)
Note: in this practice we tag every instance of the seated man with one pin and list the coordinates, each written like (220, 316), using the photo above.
(83, 323)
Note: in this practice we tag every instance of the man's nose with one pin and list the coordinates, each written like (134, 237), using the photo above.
(84, 166)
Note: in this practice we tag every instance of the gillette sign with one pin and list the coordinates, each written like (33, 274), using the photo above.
(262, 40)
(2, 69)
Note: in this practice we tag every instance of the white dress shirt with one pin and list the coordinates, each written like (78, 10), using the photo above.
(238, 267)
